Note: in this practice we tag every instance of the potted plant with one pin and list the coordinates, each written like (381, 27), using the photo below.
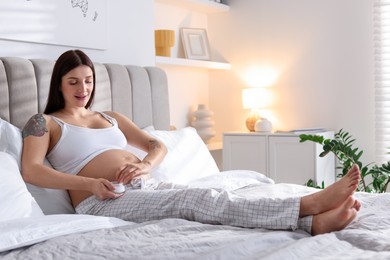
(375, 178)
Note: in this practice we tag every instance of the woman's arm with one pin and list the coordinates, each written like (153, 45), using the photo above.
(36, 142)
(155, 149)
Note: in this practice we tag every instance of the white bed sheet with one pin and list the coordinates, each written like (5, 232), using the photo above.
(27, 231)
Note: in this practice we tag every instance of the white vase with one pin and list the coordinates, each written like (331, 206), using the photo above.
(203, 122)
(263, 125)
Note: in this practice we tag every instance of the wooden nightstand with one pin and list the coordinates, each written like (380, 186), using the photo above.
(279, 156)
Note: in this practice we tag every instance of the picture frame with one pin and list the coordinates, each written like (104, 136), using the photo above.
(195, 43)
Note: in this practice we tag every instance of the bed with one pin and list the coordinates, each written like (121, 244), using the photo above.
(37, 223)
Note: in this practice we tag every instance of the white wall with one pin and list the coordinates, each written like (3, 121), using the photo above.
(322, 53)
(130, 37)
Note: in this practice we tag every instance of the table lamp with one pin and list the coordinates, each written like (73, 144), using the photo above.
(253, 99)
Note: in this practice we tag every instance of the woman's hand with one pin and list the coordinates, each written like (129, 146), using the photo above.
(133, 170)
(103, 189)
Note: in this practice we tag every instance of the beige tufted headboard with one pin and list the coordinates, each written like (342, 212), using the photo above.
(141, 93)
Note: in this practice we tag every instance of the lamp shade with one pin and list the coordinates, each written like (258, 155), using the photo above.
(255, 98)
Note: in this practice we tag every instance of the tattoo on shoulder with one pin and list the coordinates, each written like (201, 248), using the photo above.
(36, 126)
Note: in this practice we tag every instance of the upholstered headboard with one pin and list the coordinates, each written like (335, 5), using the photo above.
(141, 93)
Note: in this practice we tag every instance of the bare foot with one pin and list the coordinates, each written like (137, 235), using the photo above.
(357, 205)
(335, 219)
(332, 196)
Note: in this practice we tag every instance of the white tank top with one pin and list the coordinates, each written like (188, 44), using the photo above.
(79, 145)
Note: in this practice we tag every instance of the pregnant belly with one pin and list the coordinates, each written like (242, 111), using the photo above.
(106, 166)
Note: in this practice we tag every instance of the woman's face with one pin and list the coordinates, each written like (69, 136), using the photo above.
(77, 86)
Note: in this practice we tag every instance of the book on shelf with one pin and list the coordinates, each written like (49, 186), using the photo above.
(302, 131)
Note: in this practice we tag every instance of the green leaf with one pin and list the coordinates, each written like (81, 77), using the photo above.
(313, 184)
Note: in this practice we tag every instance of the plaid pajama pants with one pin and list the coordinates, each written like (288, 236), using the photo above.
(205, 205)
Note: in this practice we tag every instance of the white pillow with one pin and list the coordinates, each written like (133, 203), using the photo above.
(15, 200)
(10, 140)
(51, 201)
(188, 158)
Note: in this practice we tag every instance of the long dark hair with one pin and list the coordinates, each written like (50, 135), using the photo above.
(65, 63)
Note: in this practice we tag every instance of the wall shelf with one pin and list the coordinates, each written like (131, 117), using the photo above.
(192, 63)
(204, 6)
